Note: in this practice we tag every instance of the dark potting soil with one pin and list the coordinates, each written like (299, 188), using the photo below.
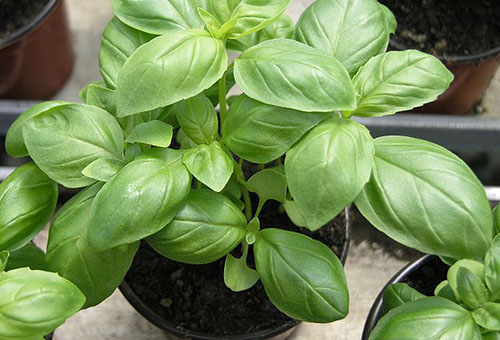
(194, 298)
(14, 14)
(428, 276)
(447, 27)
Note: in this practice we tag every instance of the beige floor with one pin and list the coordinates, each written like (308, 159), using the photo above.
(372, 259)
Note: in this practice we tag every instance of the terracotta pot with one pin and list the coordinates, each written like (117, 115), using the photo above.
(37, 59)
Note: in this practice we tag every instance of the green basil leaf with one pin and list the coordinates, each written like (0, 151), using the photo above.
(103, 169)
(168, 69)
(27, 200)
(232, 188)
(28, 256)
(492, 269)
(64, 140)
(211, 23)
(390, 20)
(119, 41)
(4, 257)
(488, 316)
(155, 133)
(246, 16)
(269, 184)
(148, 191)
(423, 196)
(470, 289)
(475, 267)
(261, 133)
(328, 168)
(184, 141)
(34, 303)
(491, 336)
(302, 277)
(96, 273)
(198, 119)
(14, 142)
(164, 114)
(207, 228)
(444, 290)
(237, 275)
(210, 164)
(399, 81)
(289, 74)
(97, 94)
(282, 28)
(429, 318)
(159, 16)
(330, 25)
(496, 218)
(398, 294)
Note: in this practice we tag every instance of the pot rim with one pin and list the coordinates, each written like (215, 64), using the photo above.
(162, 323)
(376, 309)
(30, 26)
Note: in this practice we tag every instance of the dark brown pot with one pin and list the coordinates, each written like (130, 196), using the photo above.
(37, 59)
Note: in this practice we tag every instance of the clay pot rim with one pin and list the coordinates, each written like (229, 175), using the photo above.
(30, 26)
(491, 53)
(160, 322)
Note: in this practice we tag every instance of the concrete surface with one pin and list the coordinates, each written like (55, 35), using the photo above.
(371, 262)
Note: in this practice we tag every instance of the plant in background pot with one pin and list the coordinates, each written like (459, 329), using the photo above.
(289, 138)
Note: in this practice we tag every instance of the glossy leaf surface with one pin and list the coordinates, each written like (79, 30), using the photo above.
(155, 133)
(28, 256)
(488, 316)
(198, 119)
(103, 169)
(470, 289)
(269, 184)
(398, 294)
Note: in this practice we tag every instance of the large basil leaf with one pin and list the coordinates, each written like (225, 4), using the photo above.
(14, 142)
(168, 69)
(210, 164)
(398, 294)
(301, 276)
(119, 41)
(431, 318)
(64, 140)
(423, 196)
(96, 273)
(207, 228)
(198, 119)
(289, 74)
(27, 200)
(34, 303)
(140, 200)
(28, 256)
(246, 16)
(327, 169)
(488, 316)
(159, 16)
(330, 25)
(398, 81)
(261, 133)
(492, 269)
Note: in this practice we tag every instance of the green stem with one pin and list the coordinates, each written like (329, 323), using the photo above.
(259, 208)
(222, 98)
(243, 185)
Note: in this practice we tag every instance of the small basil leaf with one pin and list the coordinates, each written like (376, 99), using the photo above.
(328, 168)
(155, 133)
(488, 316)
(398, 81)
(28, 256)
(475, 267)
(261, 133)
(4, 257)
(27, 200)
(119, 41)
(237, 275)
(184, 141)
(96, 273)
(159, 16)
(198, 119)
(205, 229)
(97, 94)
(286, 73)
(423, 196)
(444, 290)
(103, 169)
(64, 140)
(211, 22)
(425, 319)
(330, 25)
(210, 164)
(492, 268)
(35, 303)
(149, 191)
(269, 184)
(302, 277)
(157, 72)
(398, 294)
(470, 289)
(232, 188)
(14, 142)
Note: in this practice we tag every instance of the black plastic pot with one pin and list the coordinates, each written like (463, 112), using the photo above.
(280, 333)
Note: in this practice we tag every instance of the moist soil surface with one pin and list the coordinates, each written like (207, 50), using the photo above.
(447, 27)
(428, 276)
(14, 14)
(194, 298)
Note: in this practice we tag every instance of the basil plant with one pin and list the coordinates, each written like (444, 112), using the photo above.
(166, 68)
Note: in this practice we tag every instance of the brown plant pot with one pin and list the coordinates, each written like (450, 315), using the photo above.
(37, 59)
